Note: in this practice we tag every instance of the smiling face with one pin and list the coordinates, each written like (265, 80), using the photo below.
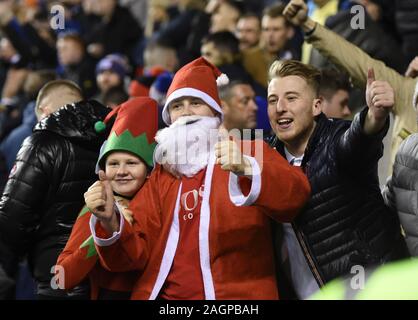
(292, 106)
(126, 173)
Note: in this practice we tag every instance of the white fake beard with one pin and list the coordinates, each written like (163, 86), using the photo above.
(184, 147)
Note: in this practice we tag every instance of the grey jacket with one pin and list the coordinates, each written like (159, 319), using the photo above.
(401, 191)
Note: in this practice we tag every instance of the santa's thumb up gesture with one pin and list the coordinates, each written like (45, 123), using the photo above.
(229, 155)
(380, 98)
(100, 201)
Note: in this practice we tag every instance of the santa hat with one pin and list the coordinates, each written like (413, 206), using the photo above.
(197, 79)
(134, 129)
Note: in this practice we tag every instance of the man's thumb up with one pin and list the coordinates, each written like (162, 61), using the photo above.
(370, 76)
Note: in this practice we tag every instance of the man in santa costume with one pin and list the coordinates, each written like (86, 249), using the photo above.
(202, 221)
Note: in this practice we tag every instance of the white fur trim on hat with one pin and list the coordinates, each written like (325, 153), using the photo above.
(222, 80)
(188, 92)
(415, 97)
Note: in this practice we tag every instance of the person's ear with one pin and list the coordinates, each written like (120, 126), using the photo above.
(317, 106)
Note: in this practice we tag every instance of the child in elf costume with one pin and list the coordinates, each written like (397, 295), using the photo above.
(125, 161)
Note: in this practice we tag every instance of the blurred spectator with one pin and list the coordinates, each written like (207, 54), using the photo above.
(45, 188)
(372, 39)
(276, 34)
(74, 63)
(158, 58)
(12, 142)
(335, 90)
(110, 72)
(248, 31)
(27, 28)
(138, 8)
(238, 106)
(115, 96)
(274, 44)
(222, 50)
(225, 16)
(185, 30)
(319, 11)
(157, 16)
(117, 30)
(158, 92)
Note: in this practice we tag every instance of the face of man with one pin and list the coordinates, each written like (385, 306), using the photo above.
(275, 34)
(248, 32)
(240, 111)
(224, 18)
(189, 106)
(292, 107)
(212, 54)
(69, 52)
(107, 79)
(337, 105)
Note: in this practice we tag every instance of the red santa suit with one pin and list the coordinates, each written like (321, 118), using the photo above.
(236, 253)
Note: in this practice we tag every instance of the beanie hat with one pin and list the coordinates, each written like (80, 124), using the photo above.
(197, 79)
(114, 63)
(134, 129)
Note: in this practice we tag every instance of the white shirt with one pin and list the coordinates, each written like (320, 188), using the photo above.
(302, 278)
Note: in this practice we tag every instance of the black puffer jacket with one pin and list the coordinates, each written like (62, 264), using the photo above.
(345, 222)
(44, 193)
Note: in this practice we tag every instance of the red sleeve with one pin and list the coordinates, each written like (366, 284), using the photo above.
(79, 255)
(284, 188)
(131, 251)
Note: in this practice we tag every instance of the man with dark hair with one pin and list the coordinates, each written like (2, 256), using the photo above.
(276, 33)
(238, 105)
(44, 192)
(74, 62)
(225, 15)
(345, 223)
(335, 90)
(222, 50)
(248, 30)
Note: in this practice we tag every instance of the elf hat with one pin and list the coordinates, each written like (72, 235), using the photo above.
(197, 79)
(134, 129)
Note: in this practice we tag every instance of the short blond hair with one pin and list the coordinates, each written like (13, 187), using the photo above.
(284, 68)
(51, 86)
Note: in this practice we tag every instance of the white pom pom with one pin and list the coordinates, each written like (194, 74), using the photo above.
(222, 80)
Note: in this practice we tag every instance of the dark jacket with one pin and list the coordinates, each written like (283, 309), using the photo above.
(345, 222)
(44, 193)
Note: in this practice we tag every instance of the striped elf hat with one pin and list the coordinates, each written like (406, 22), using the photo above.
(133, 131)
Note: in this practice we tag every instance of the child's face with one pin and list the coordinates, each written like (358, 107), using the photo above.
(126, 173)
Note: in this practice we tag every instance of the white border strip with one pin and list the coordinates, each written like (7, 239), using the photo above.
(170, 250)
(204, 232)
(235, 192)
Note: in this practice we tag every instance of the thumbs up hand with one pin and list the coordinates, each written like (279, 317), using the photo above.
(229, 156)
(380, 98)
(100, 201)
